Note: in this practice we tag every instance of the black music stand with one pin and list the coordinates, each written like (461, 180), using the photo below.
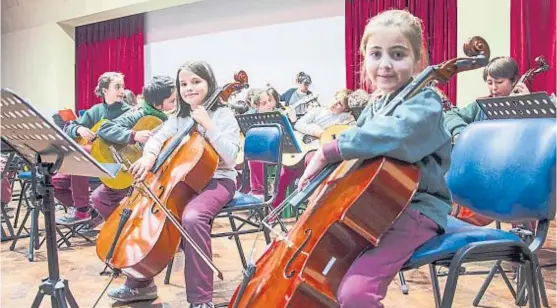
(533, 105)
(37, 140)
(290, 144)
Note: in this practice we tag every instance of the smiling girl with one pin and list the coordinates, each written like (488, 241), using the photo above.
(412, 132)
(195, 83)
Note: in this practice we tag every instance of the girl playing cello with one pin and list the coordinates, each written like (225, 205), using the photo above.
(195, 82)
(413, 132)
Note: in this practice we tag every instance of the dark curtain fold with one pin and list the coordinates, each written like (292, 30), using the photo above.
(113, 45)
(439, 24)
(533, 35)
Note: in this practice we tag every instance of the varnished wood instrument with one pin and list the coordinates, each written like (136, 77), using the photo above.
(100, 150)
(354, 203)
(142, 235)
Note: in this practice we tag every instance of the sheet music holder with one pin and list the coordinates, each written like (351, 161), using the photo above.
(39, 141)
(533, 105)
(290, 144)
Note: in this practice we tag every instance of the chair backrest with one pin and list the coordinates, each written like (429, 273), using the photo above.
(263, 143)
(505, 169)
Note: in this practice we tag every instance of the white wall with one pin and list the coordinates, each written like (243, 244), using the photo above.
(271, 41)
(490, 20)
(38, 64)
(258, 36)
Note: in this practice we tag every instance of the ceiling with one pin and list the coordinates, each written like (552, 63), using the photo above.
(24, 14)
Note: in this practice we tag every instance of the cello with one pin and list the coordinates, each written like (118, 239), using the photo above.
(466, 214)
(353, 203)
(143, 233)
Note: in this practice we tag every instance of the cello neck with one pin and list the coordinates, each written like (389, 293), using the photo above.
(177, 140)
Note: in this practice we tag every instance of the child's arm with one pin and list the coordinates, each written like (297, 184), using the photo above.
(412, 132)
(225, 136)
(305, 124)
(119, 130)
(457, 119)
(88, 120)
(154, 145)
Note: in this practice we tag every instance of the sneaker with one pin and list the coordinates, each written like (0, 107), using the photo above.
(203, 305)
(96, 220)
(125, 294)
(73, 217)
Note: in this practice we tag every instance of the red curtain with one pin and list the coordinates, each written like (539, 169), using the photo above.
(439, 23)
(113, 45)
(533, 35)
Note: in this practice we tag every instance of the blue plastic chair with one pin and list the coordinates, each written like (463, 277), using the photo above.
(263, 143)
(503, 169)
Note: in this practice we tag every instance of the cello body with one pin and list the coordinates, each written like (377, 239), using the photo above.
(352, 205)
(351, 212)
(144, 252)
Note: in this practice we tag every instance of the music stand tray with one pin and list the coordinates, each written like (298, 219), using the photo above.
(39, 141)
(533, 105)
(290, 144)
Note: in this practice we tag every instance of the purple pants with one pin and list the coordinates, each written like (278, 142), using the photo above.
(366, 282)
(195, 220)
(71, 190)
(105, 199)
(287, 176)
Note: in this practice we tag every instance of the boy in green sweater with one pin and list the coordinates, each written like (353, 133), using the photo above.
(500, 75)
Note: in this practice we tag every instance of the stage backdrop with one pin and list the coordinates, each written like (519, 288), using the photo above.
(271, 41)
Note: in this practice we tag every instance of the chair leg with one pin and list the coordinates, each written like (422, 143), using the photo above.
(22, 195)
(435, 285)
(538, 278)
(266, 232)
(21, 227)
(496, 268)
(168, 271)
(531, 281)
(521, 286)
(451, 282)
(403, 286)
(237, 240)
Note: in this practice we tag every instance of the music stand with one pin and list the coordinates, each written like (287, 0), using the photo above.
(39, 141)
(533, 105)
(290, 144)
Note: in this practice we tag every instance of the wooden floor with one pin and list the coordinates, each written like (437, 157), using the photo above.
(80, 265)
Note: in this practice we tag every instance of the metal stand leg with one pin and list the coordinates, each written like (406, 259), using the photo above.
(54, 285)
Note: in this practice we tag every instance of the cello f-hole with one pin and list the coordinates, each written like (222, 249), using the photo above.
(308, 233)
(154, 207)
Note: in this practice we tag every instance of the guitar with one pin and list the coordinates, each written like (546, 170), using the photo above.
(310, 143)
(84, 142)
(100, 150)
(303, 101)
